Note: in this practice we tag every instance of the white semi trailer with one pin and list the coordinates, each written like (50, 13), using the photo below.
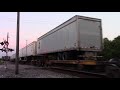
(78, 35)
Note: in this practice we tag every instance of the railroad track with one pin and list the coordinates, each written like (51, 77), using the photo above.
(81, 74)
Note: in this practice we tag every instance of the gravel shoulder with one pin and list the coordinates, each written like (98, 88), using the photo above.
(28, 71)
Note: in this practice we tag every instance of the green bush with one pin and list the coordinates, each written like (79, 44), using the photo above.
(1, 62)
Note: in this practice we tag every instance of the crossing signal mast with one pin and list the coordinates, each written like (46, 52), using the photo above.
(5, 48)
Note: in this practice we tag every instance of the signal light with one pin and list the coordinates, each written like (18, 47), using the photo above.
(3, 50)
(11, 50)
(2, 43)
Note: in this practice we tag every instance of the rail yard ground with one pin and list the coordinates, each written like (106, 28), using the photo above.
(28, 71)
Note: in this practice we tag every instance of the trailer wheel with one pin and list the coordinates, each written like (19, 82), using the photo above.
(59, 56)
(64, 56)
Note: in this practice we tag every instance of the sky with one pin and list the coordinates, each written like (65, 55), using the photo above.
(35, 24)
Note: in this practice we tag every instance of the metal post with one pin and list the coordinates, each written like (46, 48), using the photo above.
(26, 50)
(6, 58)
(7, 51)
(17, 44)
(5, 47)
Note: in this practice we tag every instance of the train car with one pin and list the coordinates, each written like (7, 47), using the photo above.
(31, 49)
(12, 58)
(28, 53)
(79, 38)
(20, 53)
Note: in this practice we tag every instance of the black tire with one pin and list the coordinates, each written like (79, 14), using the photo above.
(64, 56)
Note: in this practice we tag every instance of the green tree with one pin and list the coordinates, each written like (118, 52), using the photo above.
(111, 48)
(116, 47)
(107, 51)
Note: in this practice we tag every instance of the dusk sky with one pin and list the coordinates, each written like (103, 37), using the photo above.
(35, 24)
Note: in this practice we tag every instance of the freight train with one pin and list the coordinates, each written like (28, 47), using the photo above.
(75, 42)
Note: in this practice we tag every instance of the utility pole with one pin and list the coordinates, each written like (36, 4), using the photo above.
(17, 44)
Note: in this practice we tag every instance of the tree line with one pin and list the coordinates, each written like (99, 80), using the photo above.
(111, 48)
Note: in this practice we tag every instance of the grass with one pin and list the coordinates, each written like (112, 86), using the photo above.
(1, 62)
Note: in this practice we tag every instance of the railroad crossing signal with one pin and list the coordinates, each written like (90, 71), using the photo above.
(5, 48)
(5, 44)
